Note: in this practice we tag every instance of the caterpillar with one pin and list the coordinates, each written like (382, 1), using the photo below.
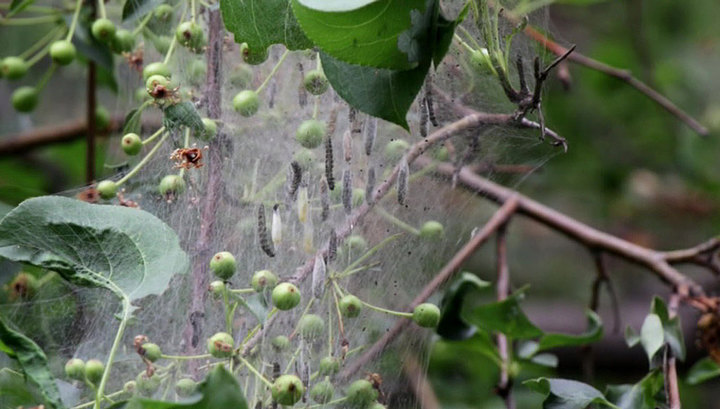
(402, 181)
(429, 101)
(265, 244)
(370, 134)
(324, 199)
(302, 93)
(332, 245)
(347, 190)
(276, 229)
(347, 145)
(370, 186)
(329, 163)
(423, 118)
(295, 177)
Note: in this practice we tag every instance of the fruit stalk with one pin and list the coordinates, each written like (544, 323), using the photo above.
(116, 343)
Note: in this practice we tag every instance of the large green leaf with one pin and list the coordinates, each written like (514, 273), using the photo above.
(592, 334)
(261, 23)
(219, 390)
(127, 251)
(503, 316)
(567, 394)
(33, 362)
(642, 395)
(16, 391)
(451, 325)
(703, 370)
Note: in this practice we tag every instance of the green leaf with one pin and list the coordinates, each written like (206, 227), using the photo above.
(132, 121)
(382, 93)
(652, 335)
(33, 362)
(593, 334)
(672, 327)
(703, 370)
(219, 390)
(503, 316)
(261, 23)
(125, 250)
(480, 343)
(16, 6)
(183, 114)
(632, 338)
(367, 35)
(451, 325)
(566, 394)
(89, 47)
(132, 9)
(548, 360)
(16, 391)
(642, 395)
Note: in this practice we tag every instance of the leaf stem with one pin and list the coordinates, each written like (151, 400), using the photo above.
(142, 24)
(274, 70)
(153, 136)
(116, 343)
(144, 160)
(185, 357)
(101, 7)
(27, 21)
(49, 36)
(397, 222)
(253, 370)
(73, 24)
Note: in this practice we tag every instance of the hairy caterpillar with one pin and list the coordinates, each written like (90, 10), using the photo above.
(370, 185)
(402, 181)
(329, 163)
(324, 199)
(295, 178)
(265, 243)
(370, 135)
(347, 190)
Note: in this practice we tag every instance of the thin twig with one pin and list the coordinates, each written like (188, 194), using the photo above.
(417, 378)
(670, 364)
(504, 388)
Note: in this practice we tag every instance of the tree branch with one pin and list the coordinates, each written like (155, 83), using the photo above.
(504, 388)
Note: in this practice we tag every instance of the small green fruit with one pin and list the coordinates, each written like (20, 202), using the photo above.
(220, 345)
(355, 243)
(285, 296)
(280, 342)
(151, 351)
(190, 35)
(311, 326)
(163, 12)
(147, 385)
(102, 117)
(123, 41)
(322, 392)
(360, 394)
(131, 144)
(304, 157)
(316, 82)
(310, 133)
(217, 288)
(263, 279)
(431, 230)
(162, 44)
(156, 68)
(141, 95)
(223, 265)
(24, 99)
(253, 56)
(198, 72)
(107, 189)
(103, 30)
(241, 76)
(185, 387)
(171, 185)
(13, 68)
(246, 103)
(287, 390)
(395, 150)
(62, 52)
(329, 366)
(154, 84)
(130, 387)
(350, 306)
(94, 371)
(426, 315)
(209, 130)
(75, 369)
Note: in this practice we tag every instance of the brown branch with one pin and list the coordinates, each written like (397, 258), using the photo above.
(496, 221)
(623, 75)
(417, 378)
(504, 388)
(672, 391)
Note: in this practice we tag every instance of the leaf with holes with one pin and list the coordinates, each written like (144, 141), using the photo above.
(125, 250)
(33, 362)
(261, 23)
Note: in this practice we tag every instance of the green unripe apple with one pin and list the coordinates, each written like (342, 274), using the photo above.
(190, 35)
(350, 306)
(131, 144)
(311, 326)
(151, 351)
(360, 394)
(185, 387)
(304, 157)
(310, 133)
(253, 56)
(198, 72)
(395, 150)
(355, 243)
(217, 288)
(263, 279)
(287, 390)
(431, 230)
(285, 296)
(220, 345)
(102, 117)
(123, 41)
(223, 265)
(25, 99)
(241, 76)
(13, 68)
(329, 366)
(246, 103)
(62, 52)
(163, 12)
(426, 315)
(103, 30)
(322, 392)
(75, 369)
(316, 82)
(130, 387)
(147, 385)
(171, 184)
(107, 189)
(156, 68)
(153, 84)
(280, 342)
(94, 371)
